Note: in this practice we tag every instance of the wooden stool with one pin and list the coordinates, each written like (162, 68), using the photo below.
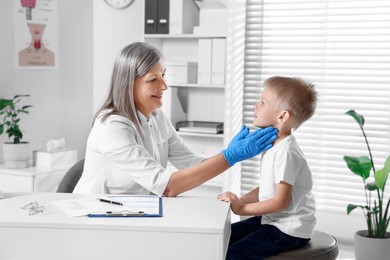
(321, 247)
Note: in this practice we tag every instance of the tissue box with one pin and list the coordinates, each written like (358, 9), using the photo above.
(58, 159)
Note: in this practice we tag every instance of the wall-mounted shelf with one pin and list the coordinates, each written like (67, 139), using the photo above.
(183, 36)
(202, 135)
(192, 85)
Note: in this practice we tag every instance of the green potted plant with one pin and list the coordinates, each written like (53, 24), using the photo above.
(16, 153)
(376, 209)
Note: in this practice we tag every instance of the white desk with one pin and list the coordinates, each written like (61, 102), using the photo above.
(191, 228)
(30, 179)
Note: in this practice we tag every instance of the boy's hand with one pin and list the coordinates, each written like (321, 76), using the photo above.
(235, 202)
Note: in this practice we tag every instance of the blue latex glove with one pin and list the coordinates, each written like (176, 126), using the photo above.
(245, 145)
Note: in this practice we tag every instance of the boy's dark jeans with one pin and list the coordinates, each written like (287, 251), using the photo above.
(252, 240)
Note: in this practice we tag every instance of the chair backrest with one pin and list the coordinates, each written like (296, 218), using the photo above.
(71, 178)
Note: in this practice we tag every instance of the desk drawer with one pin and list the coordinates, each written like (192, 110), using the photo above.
(16, 183)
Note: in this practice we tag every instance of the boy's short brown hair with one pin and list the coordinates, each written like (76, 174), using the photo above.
(295, 95)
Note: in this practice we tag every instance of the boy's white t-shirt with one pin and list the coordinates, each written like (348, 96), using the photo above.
(286, 162)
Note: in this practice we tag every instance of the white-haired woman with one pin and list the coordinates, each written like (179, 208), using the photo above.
(131, 140)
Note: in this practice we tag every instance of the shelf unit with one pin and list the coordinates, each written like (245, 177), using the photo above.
(182, 36)
(201, 135)
(193, 101)
(195, 85)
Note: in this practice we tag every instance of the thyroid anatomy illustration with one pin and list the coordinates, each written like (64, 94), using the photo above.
(36, 54)
(28, 4)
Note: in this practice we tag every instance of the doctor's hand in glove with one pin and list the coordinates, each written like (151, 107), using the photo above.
(245, 145)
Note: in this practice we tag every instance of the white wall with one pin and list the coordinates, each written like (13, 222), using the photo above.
(61, 98)
(90, 34)
(113, 30)
(75, 79)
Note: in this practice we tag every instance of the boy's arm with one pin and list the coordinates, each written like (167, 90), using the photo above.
(236, 202)
(250, 197)
(276, 204)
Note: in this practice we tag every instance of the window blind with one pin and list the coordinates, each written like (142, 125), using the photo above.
(343, 47)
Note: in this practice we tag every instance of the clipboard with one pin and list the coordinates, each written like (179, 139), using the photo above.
(154, 201)
(130, 206)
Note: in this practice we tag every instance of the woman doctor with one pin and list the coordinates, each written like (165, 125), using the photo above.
(131, 140)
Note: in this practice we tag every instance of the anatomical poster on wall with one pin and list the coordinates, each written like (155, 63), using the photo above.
(36, 39)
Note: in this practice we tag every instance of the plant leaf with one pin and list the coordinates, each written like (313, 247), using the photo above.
(16, 96)
(5, 103)
(27, 106)
(382, 174)
(371, 186)
(359, 165)
(10, 113)
(359, 118)
(351, 207)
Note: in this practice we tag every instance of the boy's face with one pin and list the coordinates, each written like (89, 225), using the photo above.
(266, 111)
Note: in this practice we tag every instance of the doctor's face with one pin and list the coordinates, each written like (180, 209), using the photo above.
(266, 111)
(148, 89)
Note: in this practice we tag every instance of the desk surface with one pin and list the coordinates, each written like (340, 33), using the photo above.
(186, 221)
(176, 214)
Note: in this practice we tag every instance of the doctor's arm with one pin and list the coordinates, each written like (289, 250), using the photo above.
(194, 176)
(243, 146)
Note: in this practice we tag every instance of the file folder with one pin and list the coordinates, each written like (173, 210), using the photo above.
(183, 15)
(163, 16)
(204, 61)
(218, 62)
(150, 16)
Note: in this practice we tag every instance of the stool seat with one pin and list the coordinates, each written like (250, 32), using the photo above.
(321, 247)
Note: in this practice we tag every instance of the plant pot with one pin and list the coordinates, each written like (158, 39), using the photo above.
(371, 248)
(16, 156)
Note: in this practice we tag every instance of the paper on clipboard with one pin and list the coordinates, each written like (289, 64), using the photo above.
(150, 205)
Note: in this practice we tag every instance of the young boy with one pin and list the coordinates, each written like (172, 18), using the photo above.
(283, 205)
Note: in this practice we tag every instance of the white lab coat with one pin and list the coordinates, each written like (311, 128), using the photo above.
(119, 160)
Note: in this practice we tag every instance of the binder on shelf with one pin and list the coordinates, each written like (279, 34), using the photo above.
(218, 62)
(204, 61)
(150, 16)
(163, 16)
(213, 16)
(184, 15)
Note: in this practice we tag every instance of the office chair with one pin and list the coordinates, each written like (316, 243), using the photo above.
(71, 178)
(321, 247)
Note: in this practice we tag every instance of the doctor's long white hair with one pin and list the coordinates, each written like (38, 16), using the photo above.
(134, 61)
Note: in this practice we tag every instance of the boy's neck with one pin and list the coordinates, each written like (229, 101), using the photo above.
(282, 133)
